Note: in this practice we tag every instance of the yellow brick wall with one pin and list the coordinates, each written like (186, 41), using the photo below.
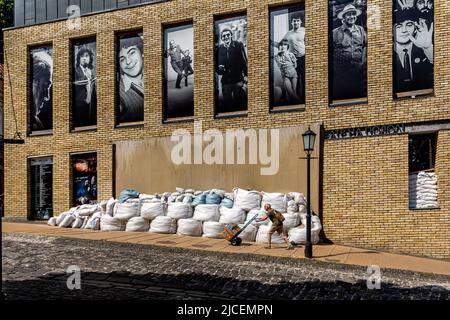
(380, 109)
(365, 197)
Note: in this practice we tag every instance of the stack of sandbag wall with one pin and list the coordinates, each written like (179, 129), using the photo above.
(423, 190)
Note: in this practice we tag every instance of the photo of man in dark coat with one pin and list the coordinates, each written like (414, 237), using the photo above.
(413, 52)
(231, 65)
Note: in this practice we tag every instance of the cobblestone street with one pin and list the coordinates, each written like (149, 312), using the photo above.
(34, 267)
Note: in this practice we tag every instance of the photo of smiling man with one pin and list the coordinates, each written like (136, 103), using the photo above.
(349, 51)
(130, 73)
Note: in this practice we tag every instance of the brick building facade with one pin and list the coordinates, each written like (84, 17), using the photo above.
(364, 184)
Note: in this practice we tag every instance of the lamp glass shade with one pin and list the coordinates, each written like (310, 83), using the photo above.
(309, 138)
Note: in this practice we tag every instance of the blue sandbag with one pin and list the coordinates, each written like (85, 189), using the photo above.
(228, 203)
(127, 194)
(213, 198)
(200, 199)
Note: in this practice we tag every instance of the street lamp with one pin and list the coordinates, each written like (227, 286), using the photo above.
(309, 137)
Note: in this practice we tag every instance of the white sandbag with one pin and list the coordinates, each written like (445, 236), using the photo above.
(207, 212)
(179, 210)
(276, 200)
(67, 221)
(189, 227)
(261, 236)
(291, 220)
(246, 200)
(198, 192)
(108, 223)
(213, 229)
(163, 224)
(261, 213)
(188, 198)
(233, 215)
(298, 197)
(110, 206)
(102, 205)
(78, 222)
(85, 221)
(127, 210)
(52, 221)
(151, 209)
(61, 217)
(93, 223)
(229, 195)
(87, 210)
(179, 190)
(298, 235)
(180, 198)
(137, 224)
(189, 191)
(220, 192)
(143, 196)
(249, 233)
(292, 206)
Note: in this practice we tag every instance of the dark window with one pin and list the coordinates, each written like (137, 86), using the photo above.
(422, 152)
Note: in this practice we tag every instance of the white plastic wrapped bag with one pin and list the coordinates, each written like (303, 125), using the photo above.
(52, 221)
(276, 200)
(291, 220)
(110, 206)
(189, 227)
(246, 200)
(137, 224)
(78, 222)
(163, 224)
(67, 221)
(292, 206)
(179, 210)
(61, 217)
(207, 212)
(233, 215)
(213, 229)
(151, 209)
(108, 223)
(128, 209)
(87, 210)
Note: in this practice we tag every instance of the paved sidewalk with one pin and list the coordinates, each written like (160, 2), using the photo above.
(326, 253)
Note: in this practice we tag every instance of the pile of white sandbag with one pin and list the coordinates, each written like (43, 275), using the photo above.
(298, 235)
(192, 212)
(423, 190)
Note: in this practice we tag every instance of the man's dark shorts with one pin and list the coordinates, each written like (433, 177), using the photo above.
(276, 228)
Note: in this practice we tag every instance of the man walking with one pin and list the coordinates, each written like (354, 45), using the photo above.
(277, 226)
(176, 60)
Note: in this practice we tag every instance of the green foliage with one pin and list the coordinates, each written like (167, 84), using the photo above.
(6, 13)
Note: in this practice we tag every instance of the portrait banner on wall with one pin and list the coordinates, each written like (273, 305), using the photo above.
(84, 83)
(230, 64)
(130, 77)
(413, 54)
(287, 56)
(178, 71)
(41, 112)
(348, 51)
(84, 175)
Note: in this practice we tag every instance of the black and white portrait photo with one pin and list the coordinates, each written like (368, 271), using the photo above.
(413, 47)
(131, 77)
(179, 72)
(287, 56)
(41, 62)
(348, 47)
(84, 81)
(231, 64)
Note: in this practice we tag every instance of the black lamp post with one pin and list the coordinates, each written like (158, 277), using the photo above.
(309, 138)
